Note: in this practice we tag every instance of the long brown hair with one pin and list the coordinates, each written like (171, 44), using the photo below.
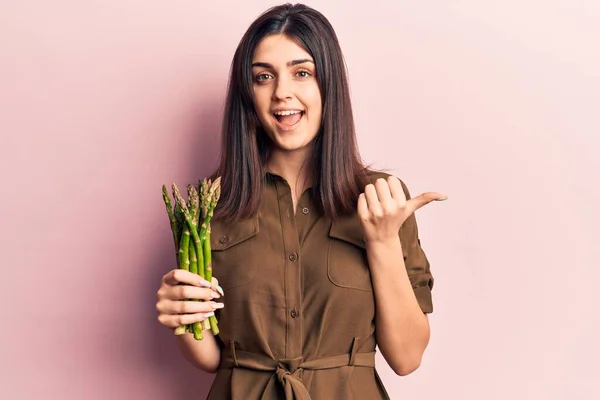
(338, 172)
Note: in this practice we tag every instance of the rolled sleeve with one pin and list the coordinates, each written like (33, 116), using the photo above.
(417, 264)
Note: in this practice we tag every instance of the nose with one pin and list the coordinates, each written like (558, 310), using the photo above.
(283, 89)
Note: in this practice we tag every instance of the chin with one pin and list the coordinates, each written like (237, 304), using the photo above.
(290, 146)
(290, 141)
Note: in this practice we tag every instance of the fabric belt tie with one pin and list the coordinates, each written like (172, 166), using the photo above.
(288, 371)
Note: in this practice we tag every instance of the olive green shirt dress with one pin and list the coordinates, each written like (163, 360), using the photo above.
(299, 315)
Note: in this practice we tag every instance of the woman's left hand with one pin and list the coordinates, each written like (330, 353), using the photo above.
(383, 208)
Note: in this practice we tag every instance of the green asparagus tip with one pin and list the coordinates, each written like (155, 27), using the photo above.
(179, 199)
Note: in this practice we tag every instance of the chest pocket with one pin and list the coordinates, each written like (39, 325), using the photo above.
(347, 264)
(234, 257)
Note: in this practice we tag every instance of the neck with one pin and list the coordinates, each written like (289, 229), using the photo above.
(293, 167)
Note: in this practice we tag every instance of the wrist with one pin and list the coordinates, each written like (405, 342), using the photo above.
(385, 242)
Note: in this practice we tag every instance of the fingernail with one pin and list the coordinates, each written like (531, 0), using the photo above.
(218, 305)
(204, 282)
(210, 314)
(214, 295)
(220, 290)
(445, 198)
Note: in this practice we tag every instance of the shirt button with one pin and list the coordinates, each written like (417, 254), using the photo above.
(223, 240)
(304, 210)
(293, 257)
(294, 313)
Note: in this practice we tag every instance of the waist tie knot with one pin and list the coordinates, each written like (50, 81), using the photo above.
(288, 372)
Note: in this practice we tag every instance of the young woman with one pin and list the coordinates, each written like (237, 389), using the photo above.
(318, 256)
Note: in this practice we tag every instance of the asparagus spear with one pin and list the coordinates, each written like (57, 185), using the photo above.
(184, 254)
(184, 248)
(196, 257)
(172, 220)
(204, 209)
(180, 237)
(210, 203)
(194, 209)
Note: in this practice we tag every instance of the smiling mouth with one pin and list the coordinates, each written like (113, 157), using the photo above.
(288, 119)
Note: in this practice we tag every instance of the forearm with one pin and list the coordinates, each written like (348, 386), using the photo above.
(402, 329)
(204, 354)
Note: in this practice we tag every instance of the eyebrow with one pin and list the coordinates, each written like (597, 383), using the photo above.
(289, 64)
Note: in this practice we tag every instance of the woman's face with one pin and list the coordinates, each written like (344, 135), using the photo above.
(286, 93)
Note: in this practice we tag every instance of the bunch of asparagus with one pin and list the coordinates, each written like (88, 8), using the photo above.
(192, 241)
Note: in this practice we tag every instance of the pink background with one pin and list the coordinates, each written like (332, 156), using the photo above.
(494, 103)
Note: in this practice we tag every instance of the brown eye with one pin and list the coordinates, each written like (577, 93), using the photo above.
(262, 77)
(303, 73)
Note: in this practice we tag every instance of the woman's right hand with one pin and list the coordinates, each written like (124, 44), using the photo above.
(177, 303)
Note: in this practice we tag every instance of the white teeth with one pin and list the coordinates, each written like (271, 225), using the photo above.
(287, 112)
